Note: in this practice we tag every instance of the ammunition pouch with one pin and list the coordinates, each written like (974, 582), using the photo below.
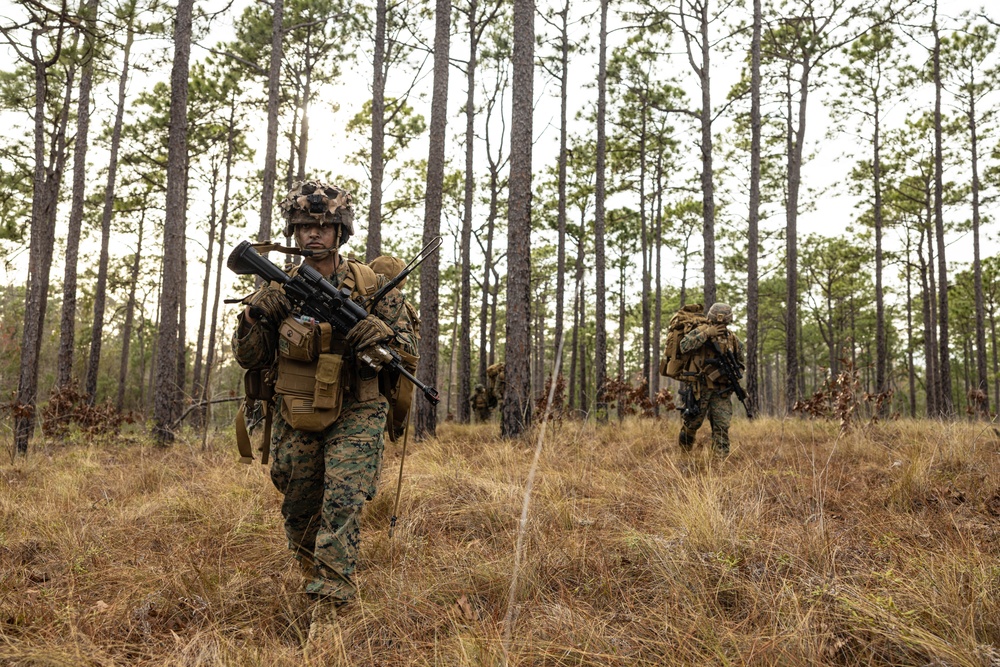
(399, 391)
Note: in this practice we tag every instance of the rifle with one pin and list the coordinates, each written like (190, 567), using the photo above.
(727, 364)
(689, 406)
(318, 298)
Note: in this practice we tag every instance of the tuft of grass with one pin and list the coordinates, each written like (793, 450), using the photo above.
(805, 547)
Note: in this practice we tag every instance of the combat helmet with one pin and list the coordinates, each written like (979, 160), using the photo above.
(309, 202)
(720, 313)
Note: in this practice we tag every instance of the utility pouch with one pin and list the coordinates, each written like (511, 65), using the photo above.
(328, 390)
(297, 385)
(399, 391)
(715, 376)
(258, 384)
(297, 340)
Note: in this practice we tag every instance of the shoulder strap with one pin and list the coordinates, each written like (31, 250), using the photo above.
(361, 279)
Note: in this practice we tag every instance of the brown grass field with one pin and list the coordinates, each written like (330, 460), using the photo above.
(804, 547)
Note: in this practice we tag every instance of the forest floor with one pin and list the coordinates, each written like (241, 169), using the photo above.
(805, 547)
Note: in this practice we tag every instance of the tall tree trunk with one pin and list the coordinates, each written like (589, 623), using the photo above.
(290, 173)
(129, 317)
(206, 393)
(426, 419)
(561, 205)
(753, 235)
(982, 379)
(912, 376)
(165, 407)
(644, 249)
(601, 336)
(485, 328)
(465, 351)
(303, 151)
(97, 327)
(43, 202)
(517, 399)
(197, 386)
(946, 406)
(927, 291)
(881, 350)
(795, 147)
(578, 307)
(374, 244)
(67, 327)
(654, 381)
(273, 99)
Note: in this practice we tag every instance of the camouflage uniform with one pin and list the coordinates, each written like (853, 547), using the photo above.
(711, 393)
(480, 403)
(327, 476)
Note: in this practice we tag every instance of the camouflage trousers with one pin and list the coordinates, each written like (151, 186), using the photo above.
(482, 415)
(326, 478)
(718, 407)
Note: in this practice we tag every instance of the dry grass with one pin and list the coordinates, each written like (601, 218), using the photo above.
(805, 547)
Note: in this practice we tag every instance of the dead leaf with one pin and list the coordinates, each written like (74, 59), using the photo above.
(465, 609)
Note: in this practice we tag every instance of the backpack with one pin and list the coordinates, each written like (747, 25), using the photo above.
(496, 381)
(673, 364)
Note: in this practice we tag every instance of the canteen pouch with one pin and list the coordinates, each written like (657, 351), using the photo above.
(297, 340)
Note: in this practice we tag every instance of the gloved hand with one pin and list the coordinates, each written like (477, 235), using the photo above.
(367, 334)
(712, 330)
(268, 302)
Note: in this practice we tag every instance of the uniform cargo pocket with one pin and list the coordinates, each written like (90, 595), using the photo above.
(328, 389)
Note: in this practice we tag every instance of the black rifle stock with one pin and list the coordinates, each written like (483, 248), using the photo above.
(726, 363)
(318, 298)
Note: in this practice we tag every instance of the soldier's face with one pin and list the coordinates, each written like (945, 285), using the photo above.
(315, 236)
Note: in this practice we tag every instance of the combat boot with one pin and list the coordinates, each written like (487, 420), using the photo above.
(685, 441)
(324, 630)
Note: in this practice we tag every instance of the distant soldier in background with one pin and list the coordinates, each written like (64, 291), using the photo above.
(480, 403)
(706, 391)
(497, 380)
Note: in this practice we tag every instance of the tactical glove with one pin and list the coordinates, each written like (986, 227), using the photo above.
(712, 330)
(367, 334)
(270, 303)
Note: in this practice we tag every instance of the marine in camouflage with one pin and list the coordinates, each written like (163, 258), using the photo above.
(712, 391)
(327, 476)
(480, 403)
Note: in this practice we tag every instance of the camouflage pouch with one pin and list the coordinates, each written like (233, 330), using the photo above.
(328, 391)
(258, 384)
(297, 386)
(297, 340)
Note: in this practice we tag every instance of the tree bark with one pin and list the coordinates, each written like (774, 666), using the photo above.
(601, 335)
(129, 318)
(97, 327)
(67, 327)
(753, 234)
(426, 418)
(273, 100)
(374, 244)
(517, 399)
(946, 407)
(166, 407)
(43, 204)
